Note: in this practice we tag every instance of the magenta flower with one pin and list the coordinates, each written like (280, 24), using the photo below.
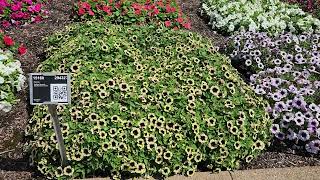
(36, 8)
(17, 6)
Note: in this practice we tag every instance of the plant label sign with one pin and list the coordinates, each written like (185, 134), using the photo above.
(49, 88)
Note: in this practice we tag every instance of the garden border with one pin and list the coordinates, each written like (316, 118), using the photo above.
(292, 173)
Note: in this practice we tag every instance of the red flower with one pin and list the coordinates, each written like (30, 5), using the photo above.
(137, 11)
(8, 41)
(91, 13)
(156, 11)
(107, 9)
(167, 23)
(179, 20)
(187, 25)
(22, 49)
(81, 11)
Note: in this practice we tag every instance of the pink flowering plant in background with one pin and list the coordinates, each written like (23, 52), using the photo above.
(308, 5)
(20, 12)
(165, 12)
(286, 70)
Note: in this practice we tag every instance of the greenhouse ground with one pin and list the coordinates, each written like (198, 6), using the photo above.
(13, 165)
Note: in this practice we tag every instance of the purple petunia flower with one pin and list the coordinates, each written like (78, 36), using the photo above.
(303, 135)
(298, 48)
(313, 146)
(288, 117)
(308, 115)
(275, 128)
(313, 123)
(289, 57)
(313, 107)
(298, 57)
(284, 124)
(292, 89)
(299, 103)
(280, 106)
(312, 129)
(276, 82)
(291, 134)
(276, 97)
(299, 121)
(280, 135)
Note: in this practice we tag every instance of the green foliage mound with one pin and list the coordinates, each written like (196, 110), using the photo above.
(146, 101)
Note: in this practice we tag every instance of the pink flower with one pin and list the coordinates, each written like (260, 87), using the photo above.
(167, 23)
(179, 20)
(81, 11)
(91, 13)
(37, 19)
(36, 8)
(16, 7)
(5, 24)
(187, 25)
(22, 49)
(156, 11)
(28, 2)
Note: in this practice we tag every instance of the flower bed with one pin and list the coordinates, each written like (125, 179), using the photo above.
(11, 80)
(21, 12)
(146, 101)
(8, 43)
(307, 5)
(270, 16)
(165, 12)
(286, 70)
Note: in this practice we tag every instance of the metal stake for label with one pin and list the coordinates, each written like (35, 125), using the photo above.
(53, 111)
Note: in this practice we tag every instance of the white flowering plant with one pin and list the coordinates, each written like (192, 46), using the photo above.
(146, 101)
(272, 16)
(11, 80)
(286, 70)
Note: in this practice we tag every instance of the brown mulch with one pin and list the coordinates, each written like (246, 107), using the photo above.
(13, 163)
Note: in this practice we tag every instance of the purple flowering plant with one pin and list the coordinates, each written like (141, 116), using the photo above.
(286, 70)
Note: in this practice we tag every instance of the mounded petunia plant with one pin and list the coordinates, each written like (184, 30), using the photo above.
(286, 70)
(146, 101)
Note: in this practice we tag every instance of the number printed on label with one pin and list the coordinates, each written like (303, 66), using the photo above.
(60, 77)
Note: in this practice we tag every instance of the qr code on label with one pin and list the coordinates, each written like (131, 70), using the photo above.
(59, 93)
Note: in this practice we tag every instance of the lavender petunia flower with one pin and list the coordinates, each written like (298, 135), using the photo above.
(299, 121)
(275, 128)
(284, 124)
(279, 106)
(313, 146)
(276, 82)
(276, 96)
(280, 135)
(292, 89)
(303, 135)
(312, 130)
(308, 115)
(313, 123)
(288, 117)
(291, 134)
(313, 107)
(299, 103)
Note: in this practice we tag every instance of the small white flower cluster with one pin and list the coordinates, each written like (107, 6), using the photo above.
(272, 16)
(11, 80)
